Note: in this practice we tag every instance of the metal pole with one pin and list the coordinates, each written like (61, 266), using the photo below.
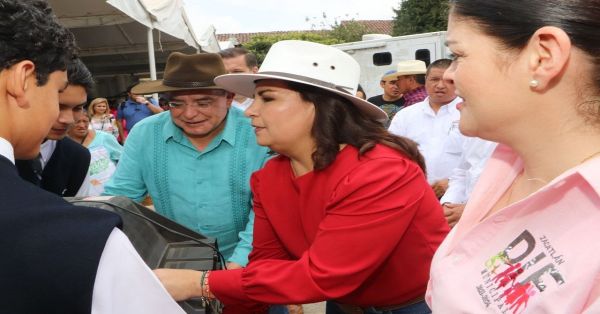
(151, 58)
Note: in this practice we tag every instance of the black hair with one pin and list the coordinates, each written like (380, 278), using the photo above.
(30, 31)
(240, 51)
(360, 89)
(79, 75)
(420, 78)
(337, 121)
(439, 64)
(513, 23)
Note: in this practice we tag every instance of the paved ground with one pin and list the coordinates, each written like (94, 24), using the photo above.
(315, 308)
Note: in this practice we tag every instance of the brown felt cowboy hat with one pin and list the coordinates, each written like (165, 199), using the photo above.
(185, 72)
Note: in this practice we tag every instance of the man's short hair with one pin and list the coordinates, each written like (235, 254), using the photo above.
(79, 75)
(240, 51)
(439, 64)
(30, 31)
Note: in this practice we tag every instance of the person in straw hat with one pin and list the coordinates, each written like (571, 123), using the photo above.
(343, 212)
(410, 79)
(196, 159)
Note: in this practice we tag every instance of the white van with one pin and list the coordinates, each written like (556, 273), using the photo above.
(378, 53)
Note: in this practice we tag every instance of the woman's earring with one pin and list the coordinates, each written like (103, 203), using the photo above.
(534, 83)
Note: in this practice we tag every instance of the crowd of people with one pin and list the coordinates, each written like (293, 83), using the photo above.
(467, 186)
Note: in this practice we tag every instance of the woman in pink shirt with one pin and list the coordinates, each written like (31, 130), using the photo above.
(528, 74)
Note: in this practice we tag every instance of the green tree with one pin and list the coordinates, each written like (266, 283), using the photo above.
(420, 16)
(347, 31)
(339, 32)
(260, 44)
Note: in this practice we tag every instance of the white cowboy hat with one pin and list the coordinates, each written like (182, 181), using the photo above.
(408, 67)
(308, 63)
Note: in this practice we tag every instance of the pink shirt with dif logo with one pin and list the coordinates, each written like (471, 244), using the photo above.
(538, 255)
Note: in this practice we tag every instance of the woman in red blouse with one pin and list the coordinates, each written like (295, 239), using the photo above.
(342, 213)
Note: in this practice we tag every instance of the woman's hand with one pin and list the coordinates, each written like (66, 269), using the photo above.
(182, 284)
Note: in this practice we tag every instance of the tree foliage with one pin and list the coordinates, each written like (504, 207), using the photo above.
(261, 44)
(346, 31)
(420, 16)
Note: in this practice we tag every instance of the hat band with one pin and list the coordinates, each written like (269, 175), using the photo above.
(310, 80)
(181, 84)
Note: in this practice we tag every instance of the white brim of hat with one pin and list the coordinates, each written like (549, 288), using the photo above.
(395, 75)
(245, 83)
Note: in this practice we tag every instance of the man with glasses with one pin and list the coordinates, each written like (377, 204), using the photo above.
(391, 100)
(195, 160)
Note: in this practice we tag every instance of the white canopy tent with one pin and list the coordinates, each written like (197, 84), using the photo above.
(169, 17)
(116, 37)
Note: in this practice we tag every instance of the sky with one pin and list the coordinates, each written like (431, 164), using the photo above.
(240, 16)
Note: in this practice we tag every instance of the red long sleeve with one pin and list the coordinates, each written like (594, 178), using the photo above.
(362, 231)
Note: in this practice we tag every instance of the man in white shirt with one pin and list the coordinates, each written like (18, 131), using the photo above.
(475, 155)
(63, 258)
(430, 123)
(239, 60)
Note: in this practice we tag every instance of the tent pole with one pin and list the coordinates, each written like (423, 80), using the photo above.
(151, 58)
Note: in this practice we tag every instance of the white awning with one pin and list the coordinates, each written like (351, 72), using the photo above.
(169, 17)
(116, 40)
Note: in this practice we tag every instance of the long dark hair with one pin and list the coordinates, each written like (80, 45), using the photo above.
(337, 121)
(514, 22)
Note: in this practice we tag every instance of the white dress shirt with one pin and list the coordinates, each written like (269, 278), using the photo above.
(475, 155)
(437, 134)
(46, 150)
(7, 150)
(124, 283)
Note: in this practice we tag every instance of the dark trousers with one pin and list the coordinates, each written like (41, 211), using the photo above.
(417, 308)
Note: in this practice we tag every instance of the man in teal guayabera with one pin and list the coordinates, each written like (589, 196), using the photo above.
(196, 159)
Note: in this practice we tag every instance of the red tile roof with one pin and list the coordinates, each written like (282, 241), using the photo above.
(376, 26)
(372, 26)
(243, 38)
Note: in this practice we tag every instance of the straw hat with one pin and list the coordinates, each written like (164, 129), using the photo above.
(308, 63)
(408, 67)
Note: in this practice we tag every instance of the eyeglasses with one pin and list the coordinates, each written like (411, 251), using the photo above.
(204, 103)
